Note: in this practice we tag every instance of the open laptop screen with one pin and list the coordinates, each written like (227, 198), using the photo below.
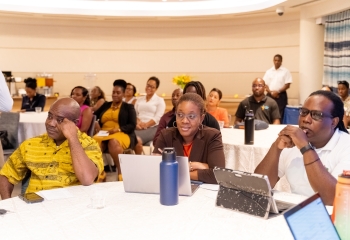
(310, 220)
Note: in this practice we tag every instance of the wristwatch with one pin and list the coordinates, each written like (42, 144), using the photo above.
(306, 148)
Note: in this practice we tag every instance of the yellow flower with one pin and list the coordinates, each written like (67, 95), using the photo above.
(182, 80)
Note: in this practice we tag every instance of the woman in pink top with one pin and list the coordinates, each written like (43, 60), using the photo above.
(213, 101)
(81, 95)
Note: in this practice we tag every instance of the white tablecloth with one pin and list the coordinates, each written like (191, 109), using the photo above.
(31, 124)
(246, 157)
(135, 216)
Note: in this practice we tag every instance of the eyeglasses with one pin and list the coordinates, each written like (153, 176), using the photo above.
(132, 89)
(258, 85)
(190, 117)
(315, 115)
(150, 86)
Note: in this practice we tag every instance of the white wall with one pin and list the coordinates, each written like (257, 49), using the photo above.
(224, 53)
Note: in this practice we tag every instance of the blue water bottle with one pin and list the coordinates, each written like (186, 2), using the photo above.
(169, 178)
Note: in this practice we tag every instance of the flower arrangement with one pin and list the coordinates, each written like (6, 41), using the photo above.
(182, 80)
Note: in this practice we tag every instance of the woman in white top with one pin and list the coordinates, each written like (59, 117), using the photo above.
(129, 96)
(149, 110)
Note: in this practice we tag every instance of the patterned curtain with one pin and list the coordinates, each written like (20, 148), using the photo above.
(336, 64)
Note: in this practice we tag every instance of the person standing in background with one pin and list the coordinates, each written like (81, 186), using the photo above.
(343, 92)
(278, 80)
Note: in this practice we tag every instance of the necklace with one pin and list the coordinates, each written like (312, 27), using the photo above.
(114, 107)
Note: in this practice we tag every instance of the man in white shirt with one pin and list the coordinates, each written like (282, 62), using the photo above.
(313, 154)
(6, 100)
(278, 80)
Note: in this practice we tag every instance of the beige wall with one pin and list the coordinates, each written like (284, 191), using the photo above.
(223, 53)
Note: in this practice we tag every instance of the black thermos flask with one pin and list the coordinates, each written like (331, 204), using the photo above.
(249, 128)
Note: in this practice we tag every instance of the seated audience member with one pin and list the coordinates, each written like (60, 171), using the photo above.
(202, 145)
(326, 88)
(312, 155)
(149, 110)
(264, 107)
(6, 100)
(197, 87)
(213, 101)
(119, 119)
(62, 157)
(81, 95)
(164, 120)
(32, 99)
(343, 91)
(130, 92)
(97, 98)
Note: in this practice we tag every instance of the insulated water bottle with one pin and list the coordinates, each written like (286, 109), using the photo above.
(169, 178)
(341, 206)
(249, 128)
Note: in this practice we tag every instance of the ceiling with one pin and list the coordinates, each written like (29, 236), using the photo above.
(149, 8)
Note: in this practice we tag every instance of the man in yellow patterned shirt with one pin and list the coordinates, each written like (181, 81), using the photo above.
(62, 157)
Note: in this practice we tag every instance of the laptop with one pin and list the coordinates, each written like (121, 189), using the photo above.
(310, 220)
(247, 192)
(141, 174)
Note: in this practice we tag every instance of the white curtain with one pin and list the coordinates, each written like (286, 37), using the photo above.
(337, 49)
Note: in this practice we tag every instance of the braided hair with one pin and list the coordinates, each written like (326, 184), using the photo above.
(199, 88)
(338, 107)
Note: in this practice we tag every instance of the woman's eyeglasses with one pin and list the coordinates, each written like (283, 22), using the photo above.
(315, 115)
(150, 86)
(189, 117)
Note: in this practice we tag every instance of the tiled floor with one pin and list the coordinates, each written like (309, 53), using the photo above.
(111, 177)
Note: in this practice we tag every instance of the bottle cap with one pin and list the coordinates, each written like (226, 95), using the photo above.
(169, 154)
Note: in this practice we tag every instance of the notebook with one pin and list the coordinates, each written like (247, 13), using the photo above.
(141, 174)
(310, 220)
(247, 192)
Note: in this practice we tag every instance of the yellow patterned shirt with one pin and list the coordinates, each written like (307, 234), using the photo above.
(51, 165)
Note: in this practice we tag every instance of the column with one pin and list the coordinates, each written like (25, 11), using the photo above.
(311, 56)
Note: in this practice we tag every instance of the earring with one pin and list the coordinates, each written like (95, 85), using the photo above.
(174, 124)
(201, 127)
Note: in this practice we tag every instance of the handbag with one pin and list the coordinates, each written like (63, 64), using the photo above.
(5, 142)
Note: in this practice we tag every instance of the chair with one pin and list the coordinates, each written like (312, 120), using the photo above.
(9, 121)
(91, 129)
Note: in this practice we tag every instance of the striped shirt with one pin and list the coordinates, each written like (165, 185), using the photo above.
(51, 166)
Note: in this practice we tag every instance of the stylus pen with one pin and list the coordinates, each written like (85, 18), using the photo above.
(196, 182)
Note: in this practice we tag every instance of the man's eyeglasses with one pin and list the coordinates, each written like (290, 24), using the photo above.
(190, 117)
(258, 85)
(150, 86)
(315, 115)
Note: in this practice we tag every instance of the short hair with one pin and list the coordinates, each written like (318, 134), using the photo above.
(133, 88)
(85, 93)
(345, 83)
(338, 107)
(199, 88)
(279, 56)
(102, 93)
(31, 83)
(156, 80)
(218, 91)
(195, 98)
(120, 83)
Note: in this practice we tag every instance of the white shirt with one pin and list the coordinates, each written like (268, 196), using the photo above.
(6, 100)
(276, 79)
(335, 156)
(130, 101)
(153, 109)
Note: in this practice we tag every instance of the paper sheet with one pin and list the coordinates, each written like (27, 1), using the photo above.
(102, 133)
(59, 193)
